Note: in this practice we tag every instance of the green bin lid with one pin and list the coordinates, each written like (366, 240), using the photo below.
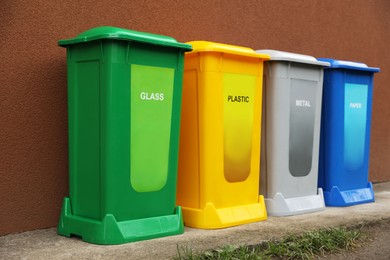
(114, 33)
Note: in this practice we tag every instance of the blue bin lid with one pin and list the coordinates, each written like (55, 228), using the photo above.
(342, 64)
(294, 57)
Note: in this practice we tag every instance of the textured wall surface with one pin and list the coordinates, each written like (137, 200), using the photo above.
(33, 97)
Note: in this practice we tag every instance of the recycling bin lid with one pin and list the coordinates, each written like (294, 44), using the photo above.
(206, 46)
(342, 64)
(115, 33)
(294, 57)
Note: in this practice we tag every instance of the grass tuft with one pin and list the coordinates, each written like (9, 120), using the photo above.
(305, 246)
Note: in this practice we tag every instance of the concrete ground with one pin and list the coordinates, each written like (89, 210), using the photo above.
(46, 244)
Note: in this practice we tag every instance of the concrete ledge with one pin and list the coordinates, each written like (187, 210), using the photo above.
(46, 244)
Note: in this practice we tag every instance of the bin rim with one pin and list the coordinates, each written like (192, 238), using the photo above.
(293, 57)
(208, 46)
(116, 33)
(343, 64)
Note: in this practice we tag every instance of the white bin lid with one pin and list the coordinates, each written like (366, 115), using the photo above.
(294, 57)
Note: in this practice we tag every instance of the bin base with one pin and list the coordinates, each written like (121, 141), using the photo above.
(337, 198)
(280, 206)
(109, 231)
(213, 218)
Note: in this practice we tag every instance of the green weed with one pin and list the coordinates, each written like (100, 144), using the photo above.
(305, 246)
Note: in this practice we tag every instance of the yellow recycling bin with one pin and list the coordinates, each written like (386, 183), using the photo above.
(219, 155)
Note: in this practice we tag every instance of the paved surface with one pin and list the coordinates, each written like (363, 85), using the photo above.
(46, 244)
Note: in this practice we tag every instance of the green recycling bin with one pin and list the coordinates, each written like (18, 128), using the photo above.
(124, 103)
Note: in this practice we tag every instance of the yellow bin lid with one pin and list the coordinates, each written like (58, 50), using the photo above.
(206, 46)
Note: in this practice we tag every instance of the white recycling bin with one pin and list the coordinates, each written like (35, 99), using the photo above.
(291, 133)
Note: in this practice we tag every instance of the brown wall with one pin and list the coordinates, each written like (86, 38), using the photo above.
(33, 101)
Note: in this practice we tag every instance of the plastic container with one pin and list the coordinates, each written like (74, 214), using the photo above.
(291, 132)
(345, 133)
(124, 99)
(220, 136)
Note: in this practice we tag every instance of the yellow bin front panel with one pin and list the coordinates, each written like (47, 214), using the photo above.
(219, 156)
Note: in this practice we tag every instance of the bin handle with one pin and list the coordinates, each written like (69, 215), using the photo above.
(220, 62)
(199, 61)
(289, 69)
(268, 68)
(179, 61)
(102, 50)
(128, 52)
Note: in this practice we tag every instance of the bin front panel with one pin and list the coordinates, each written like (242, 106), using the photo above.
(119, 132)
(238, 94)
(219, 183)
(293, 94)
(355, 121)
(141, 130)
(345, 129)
(151, 110)
(303, 106)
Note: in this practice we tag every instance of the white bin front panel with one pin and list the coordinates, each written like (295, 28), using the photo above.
(290, 142)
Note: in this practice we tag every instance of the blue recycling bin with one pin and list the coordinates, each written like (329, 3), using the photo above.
(345, 133)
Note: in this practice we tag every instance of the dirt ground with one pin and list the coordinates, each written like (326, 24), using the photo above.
(375, 246)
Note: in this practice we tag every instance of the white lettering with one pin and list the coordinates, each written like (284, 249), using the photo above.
(152, 96)
(355, 105)
(302, 103)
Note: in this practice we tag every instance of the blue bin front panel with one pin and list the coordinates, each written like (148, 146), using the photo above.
(345, 129)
